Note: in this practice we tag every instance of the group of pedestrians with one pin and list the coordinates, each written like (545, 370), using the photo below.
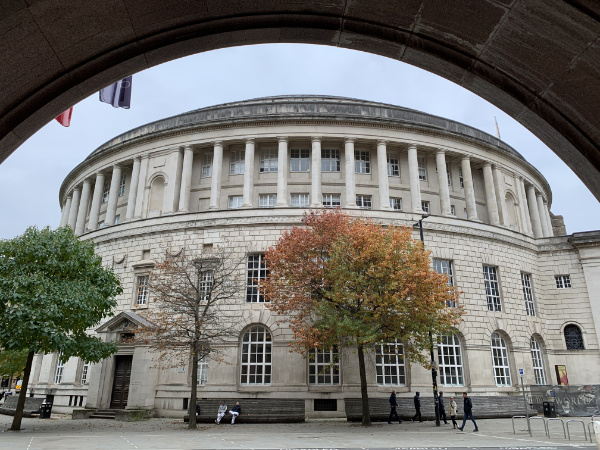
(235, 411)
(453, 410)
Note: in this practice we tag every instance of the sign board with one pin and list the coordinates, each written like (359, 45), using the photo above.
(521, 372)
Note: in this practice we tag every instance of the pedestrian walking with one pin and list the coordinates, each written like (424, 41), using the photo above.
(417, 402)
(453, 410)
(393, 408)
(221, 412)
(442, 408)
(468, 412)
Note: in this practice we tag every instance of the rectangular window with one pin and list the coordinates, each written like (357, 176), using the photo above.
(452, 210)
(466, 215)
(105, 192)
(206, 285)
(236, 164)
(101, 224)
(117, 219)
(84, 372)
(332, 200)
(450, 361)
(364, 201)
(330, 160)
(460, 178)
(202, 371)
(389, 364)
(445, 266)
(60, 365)
(235, 201)
(324, 366)
(299, 200)
(396, 203)
(448, 175)
(142, 290)
(207, 160)
(122, 185)
(362, 161)
(528, 293)
(268, 160)
(422, 168)
(492, 291)
(267, 200)
(256, 272)
(425, 206)
(563, 281)
(299, 160)
(393, 165)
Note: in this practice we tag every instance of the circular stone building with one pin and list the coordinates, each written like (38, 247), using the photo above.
(245, 171)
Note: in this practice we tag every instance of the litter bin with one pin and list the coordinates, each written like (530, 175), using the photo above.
(549, 409)
(45, 410)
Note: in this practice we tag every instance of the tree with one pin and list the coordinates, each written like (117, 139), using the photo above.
(189, 294)
(53, 288)
(353, 282)
(12, 363)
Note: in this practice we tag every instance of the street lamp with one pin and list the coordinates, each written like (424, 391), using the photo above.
(419, 224)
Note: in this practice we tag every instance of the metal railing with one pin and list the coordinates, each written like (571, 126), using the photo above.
(548, 420)
(582, 425)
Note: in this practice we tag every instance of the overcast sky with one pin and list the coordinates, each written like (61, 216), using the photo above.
(30, 178)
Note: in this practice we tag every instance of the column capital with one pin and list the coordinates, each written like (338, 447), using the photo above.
(440, 151)
(188, 147)
(348, 140)
(116, 165)
(465, 158)
(138, 158)
(217, 143)
(487, 164)
(412, 145)
(315, 139)
(250, 141)
(282, 138)
(381, 142)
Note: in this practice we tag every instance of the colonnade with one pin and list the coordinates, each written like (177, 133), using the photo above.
(534, 216)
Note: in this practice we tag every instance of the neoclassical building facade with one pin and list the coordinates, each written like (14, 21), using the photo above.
(243, 172)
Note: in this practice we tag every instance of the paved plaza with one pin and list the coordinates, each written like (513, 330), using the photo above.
(60, 432)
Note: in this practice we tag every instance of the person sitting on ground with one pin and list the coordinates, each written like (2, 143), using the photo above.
(221, 412)
(235, 411)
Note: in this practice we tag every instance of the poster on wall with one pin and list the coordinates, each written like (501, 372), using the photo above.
(561, 375)
(578, 401)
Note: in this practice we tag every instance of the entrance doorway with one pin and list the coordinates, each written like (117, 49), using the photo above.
(120, 391)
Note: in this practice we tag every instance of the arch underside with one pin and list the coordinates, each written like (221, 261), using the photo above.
(538, 60)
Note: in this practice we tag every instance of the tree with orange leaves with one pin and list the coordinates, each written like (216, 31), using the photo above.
(350, 281)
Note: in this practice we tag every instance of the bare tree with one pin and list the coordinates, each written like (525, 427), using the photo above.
(189, 292)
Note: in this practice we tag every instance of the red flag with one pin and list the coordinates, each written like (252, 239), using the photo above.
(65, 118)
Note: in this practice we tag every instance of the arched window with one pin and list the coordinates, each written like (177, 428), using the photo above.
(324, 366)
(389, 361)
(256, 356)
(573, 338)
(500, 361)
(450, 361)
(538, 364)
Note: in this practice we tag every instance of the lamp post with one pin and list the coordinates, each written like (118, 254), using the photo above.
(433, 365)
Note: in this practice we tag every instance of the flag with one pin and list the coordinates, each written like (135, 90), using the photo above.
(65, 118)
(118, 94)
(497, 127)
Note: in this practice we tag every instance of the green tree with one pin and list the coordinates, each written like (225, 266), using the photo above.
(350, 281)
(12, 363)
(53, 289)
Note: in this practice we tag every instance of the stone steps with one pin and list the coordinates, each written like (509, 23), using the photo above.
(104, 414)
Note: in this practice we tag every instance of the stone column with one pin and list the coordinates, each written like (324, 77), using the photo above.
(140, 211)
(282, 172)
(316, 193)
(350, 169)
(543, 221)
(113, 196)
(248, 173)
(413, 175)
(442, 176)
(96, 200)
(83, 207)
(384, 184)
(186, 180)
(133, 187)
(490, 195)
(534, 213)
(500, 189)
(173, 182)
(521, 200)
(217, 172)
(526, 208)
(74, 208)
(465, 164)
(548, 219)
(66, 210)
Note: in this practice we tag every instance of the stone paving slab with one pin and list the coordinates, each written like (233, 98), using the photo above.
(60, 432)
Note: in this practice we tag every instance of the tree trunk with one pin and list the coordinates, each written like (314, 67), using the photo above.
(194, 393)
(16, 424)
(366, 414)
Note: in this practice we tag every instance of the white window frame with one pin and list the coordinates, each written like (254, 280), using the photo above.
(206, 284)
(461, 179)
(117, 219)
(396, 203)
(202, 371)
(332, 200)
(105, 192)
(393, 165)
(492, 288)
(528, 293)
(448, 175)
(450, 361)
(60, 366)
(142, 292)
(122, 185)
(207, 162)
(255, 365)
(453, 210)
(426, 206)
(268, 160)
(563, 281)
(256, 271)
(85, 369)
(267, 200)
(330, 160)
(100, 224)
(299, 200)
(500, 361)
(445, 266)
(324, 367)
(390, 364)
(422, 168)
(299, 160)
(235, 201)
(364, 201)
(237, 162)
(537, 361)
(362, 161)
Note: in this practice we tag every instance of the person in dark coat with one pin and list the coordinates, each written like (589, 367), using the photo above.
(442, 407)
(468, 412)
(417, 402)
(393, 408)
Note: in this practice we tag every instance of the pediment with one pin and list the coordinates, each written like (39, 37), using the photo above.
(124, 321)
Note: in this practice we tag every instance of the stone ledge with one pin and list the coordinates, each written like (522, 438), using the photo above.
(82, 413)
(133, 415)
